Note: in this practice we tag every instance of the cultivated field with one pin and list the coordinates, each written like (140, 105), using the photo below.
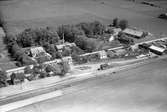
(21, 14)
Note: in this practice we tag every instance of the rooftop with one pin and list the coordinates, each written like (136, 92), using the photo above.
(133, 32)
(65, 44)
(157, 48)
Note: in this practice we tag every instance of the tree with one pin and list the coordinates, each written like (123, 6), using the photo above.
(76, 50)
(69, 32)
(3, 79)
(26, 38)
(26, 60)
(123, 24)
(47, 35)
(75, 57)
(10, 39)
(56, 55)
(50, 48)
(86, 27)
(98, 28)
(43, 75)
(42, 59)
(17, 76)
(87, 44)
(30, 37)
(36, 69)
(92, 28)
(80, 41)
(115, 22)
(49, 68)
(27, 70)
(66, 51)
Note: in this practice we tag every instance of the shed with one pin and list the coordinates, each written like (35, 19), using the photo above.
(156, 50)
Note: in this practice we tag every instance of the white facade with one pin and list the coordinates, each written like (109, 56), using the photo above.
(103, 54)
(111, 38)
(159, 49)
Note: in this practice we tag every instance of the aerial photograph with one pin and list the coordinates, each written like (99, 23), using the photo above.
(83, 55)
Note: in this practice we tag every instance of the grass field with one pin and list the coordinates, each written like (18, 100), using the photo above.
(21, 14)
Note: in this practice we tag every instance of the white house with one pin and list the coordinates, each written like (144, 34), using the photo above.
(156, 50)
(103, 54)
(61, 46)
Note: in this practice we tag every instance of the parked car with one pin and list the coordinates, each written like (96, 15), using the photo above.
(104, 66)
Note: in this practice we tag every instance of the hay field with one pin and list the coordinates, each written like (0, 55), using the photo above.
(21, 14)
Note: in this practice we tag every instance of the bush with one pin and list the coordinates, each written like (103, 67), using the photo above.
(87, 44)
(28, 70)
(49, 68)
(31, 37)
(43, 75)
(69, 32)
(17, 76)
(92, 28)
(76, 50)
(3, 79)
(123, 24)
(66, 51)
(115, 22)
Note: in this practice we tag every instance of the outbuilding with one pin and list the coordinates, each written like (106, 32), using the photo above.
(156, 50)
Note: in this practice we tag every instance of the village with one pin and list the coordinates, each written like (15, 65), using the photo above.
(120, 44)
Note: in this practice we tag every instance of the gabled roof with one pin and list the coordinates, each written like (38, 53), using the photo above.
(133, 32)
(157, 48)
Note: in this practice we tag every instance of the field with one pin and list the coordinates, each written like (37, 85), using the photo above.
(21, 14)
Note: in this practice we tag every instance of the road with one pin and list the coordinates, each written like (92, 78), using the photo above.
(142, 89)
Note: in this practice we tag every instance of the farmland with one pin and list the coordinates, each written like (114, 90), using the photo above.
(21, 14)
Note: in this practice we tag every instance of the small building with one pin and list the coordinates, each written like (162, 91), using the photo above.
(133, 33)
(156, 50)
(61, 46)
(68, 59)
(103, 54)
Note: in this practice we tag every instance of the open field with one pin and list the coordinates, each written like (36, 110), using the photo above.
(142, 89)
(21, 14)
